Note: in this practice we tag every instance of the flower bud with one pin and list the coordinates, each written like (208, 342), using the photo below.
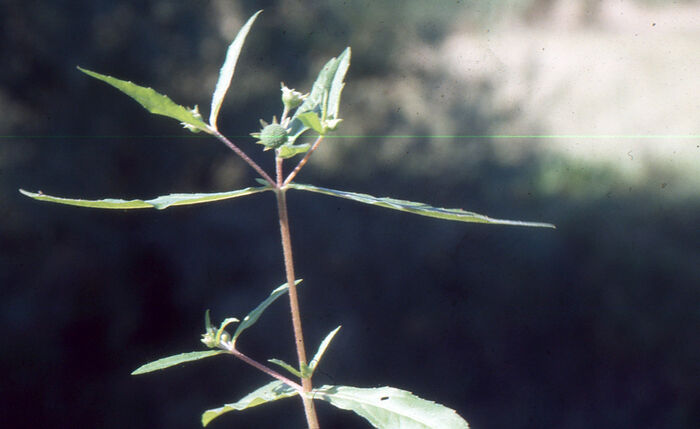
(291, 98)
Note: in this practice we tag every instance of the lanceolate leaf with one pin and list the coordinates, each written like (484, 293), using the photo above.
(329, 81)
(328, 86)
(322, 349)
(268, 393)
(227, 70)
(390, 408)
(286, 366)
(152, 101)
(175, 360)
(417, 208)
(338, 84)
(159, 203)
(254, 315)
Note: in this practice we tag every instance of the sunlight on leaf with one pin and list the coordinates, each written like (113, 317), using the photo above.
(391, 408)
(322, 349)
(328, 86)
(338, 84)
(153, 101)
(175, 360)
(286, 366)
(227, 70)
(159, 203)
(267, 393)
(417, 208)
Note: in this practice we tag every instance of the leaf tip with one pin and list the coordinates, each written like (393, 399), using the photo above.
(206, 418)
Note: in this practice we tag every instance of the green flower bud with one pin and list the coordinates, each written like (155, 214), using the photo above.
(209, 339)
(272, 135)
(291, 98)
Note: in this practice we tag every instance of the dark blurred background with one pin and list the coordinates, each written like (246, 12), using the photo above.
(594, 324)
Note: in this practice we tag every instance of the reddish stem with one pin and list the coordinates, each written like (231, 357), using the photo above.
(303, 162)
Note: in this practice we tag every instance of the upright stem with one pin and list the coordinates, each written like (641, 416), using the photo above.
(309, 408)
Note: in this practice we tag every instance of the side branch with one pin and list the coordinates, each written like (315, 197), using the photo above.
(266, 370)
(245, 157)
(303, 162)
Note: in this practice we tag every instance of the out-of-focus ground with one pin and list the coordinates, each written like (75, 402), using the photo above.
(593, 85)
(580, 113)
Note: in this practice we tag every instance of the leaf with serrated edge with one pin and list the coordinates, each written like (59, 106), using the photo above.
(322, 348)
(227, 70)
(286, 366)
(391, 408)
(254, 315)
(152, 101)
(175, 360)
(267, 393)
(417, 208)
(159, 203)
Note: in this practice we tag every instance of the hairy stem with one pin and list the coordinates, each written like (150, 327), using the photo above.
(303, 162)
(245, 157)
(309, 408)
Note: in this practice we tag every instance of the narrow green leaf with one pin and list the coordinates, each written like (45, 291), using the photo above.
(267, 393)
(417, 208)
(322, 349)
(332, 74)
(338, 84)
(254, 315)
(286, 366)
(207, 321)
(159, 203)
(227, 70)
(391, 408)
(153, 101)
(328, 86)
(175, 360)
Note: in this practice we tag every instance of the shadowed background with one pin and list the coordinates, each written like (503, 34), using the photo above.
(594, 324)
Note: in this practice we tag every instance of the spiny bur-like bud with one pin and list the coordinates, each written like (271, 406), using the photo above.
(272, 135)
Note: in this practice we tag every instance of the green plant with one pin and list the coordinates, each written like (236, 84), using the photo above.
(318, 112)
